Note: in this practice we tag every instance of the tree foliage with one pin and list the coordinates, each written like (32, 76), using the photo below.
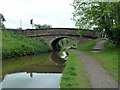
(2, 19)
(67, 42)
(38, 26)
(104, 17)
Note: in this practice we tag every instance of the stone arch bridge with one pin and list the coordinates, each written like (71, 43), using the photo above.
(53, 35)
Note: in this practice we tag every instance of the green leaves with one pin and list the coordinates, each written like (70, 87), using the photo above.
(67, 42)
(2, 19)
(102, 15)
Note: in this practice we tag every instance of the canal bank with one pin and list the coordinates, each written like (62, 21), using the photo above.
(73, 75)
(16, 45)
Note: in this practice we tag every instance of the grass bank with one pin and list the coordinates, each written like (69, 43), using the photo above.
(19, 45)
(88, 46)
(107, 58)
(73, 74)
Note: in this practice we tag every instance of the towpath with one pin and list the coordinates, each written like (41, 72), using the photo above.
(97, 75)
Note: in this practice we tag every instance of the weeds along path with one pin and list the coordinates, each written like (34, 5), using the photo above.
(97, 75)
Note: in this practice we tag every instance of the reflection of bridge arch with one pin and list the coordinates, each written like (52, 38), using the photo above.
(56, 58)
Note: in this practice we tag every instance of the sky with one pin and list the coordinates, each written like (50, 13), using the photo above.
(57, 13)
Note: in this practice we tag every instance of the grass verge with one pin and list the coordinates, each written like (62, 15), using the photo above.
(88, 46)
(19, 45)
(73, 74)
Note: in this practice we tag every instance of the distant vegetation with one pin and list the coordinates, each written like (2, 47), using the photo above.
(20, 45)
(73, 74)
(38, 26)
(67, 43)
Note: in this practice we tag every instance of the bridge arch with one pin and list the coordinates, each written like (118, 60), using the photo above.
(54, 42)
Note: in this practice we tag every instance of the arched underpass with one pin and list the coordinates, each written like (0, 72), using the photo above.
(54, 43)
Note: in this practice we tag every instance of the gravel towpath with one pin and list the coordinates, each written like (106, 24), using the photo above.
(97, 75)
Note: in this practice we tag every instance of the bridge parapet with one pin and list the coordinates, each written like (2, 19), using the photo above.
(59, 31)
(50, 32)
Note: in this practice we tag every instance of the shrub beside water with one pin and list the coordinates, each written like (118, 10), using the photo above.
(20, 45)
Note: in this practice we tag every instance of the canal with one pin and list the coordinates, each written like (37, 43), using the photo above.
(37, 71)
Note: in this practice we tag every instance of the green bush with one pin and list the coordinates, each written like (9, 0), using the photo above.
(109, 45)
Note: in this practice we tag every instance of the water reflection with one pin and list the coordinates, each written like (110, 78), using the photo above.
(64, 55)
(58, 60)
(24, 80)
(36, 69)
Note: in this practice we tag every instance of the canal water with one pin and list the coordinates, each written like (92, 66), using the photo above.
(37, 71)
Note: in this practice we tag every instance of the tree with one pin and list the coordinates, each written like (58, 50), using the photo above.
(104, 17)
(38, 26)
(2, 19)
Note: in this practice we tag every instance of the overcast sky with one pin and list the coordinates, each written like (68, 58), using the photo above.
(57, 13)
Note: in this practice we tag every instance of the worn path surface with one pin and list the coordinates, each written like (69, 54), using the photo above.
(97, 75)
(99, 46)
